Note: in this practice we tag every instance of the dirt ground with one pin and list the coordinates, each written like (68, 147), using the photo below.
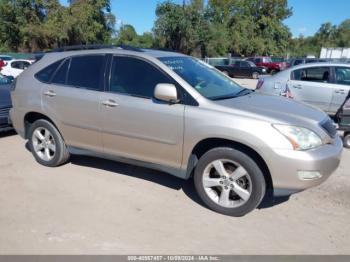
(95, 206)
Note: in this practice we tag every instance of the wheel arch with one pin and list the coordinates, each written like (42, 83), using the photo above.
(33, 116)
(207, 144)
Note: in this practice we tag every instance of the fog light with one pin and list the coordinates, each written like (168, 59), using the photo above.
(309, 175)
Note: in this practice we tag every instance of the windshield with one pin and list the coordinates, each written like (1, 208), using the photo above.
(209, 82)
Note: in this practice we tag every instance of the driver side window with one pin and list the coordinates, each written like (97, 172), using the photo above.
(132, 76)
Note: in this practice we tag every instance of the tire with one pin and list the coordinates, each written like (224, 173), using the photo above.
(273, 71)
(255, 75)
(346, 140)
(236, 161)
(44, 137)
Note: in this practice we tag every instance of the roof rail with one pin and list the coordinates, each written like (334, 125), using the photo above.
(95, 46)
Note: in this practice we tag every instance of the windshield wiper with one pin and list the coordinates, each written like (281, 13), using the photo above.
(223, 97)
(244, 92)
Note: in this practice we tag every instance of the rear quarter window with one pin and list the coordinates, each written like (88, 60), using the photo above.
(45, 74)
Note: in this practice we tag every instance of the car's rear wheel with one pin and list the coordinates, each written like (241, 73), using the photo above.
(229, 181)
(47, 144)
(255, 75)
(346, 140)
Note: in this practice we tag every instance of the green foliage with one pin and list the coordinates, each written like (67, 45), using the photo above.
(327, 36)
(31, 25)
(242, 27)
(127, 36)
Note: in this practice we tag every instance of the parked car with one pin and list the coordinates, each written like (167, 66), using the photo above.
(6, 58)
(343, 120)
(15, 67)
(323, 85)
(297, 61)
(177, 114)
(5, 103)
(265, 61)
(242, 68)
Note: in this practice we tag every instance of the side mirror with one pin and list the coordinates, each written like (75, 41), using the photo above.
(166, 93)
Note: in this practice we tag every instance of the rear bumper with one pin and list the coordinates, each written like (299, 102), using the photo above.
(289, 167)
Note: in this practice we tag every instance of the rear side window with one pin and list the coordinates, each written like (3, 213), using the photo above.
(45, 74)
(86, 72)
(135, 77)
(312, 74)
(61, 74)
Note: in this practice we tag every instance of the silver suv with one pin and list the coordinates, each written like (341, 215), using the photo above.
(173, 113)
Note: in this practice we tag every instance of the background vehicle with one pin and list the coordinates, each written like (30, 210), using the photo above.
(90, 102)
(343, 120)
(5, 103)
(15, 67)
(241, 68)
(6, 58)
(297, 61)
(265, 61)
(323, 85)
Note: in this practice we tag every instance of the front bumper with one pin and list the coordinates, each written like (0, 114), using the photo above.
(287, 164)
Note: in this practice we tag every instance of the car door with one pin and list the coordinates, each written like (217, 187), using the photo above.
(72, 99)
(312, 85)
(245, 69)
(135, 125)
(341, 87)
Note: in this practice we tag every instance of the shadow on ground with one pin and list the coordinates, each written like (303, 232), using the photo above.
(7, 133)
(161, 178)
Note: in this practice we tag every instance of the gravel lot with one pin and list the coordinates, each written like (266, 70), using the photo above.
(95, 206)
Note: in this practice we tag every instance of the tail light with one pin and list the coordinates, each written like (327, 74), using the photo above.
(259, 84)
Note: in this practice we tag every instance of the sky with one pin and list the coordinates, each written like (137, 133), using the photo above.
(308, 15)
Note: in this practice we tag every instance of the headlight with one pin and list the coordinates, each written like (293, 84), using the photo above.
(301, 138)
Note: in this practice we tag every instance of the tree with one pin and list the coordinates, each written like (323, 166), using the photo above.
(30, 25)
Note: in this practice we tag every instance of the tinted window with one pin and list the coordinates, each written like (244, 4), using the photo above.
(312, 74)
(245, 64)
(86, 72)
(45, 74)
(258, 60)
(342, 75)
(135, 77)
(61, 74)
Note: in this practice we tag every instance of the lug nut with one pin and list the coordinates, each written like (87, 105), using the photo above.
(226, 187)
(221, 182)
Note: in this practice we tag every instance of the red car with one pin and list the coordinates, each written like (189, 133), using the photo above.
(2, 63)
(265, 61)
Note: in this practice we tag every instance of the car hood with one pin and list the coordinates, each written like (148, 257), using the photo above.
(5, 96)
(274, 108)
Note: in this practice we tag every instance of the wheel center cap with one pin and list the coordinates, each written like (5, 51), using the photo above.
(226, 182)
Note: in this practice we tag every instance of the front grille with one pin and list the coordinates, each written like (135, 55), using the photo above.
(329, 126)
(4, 111)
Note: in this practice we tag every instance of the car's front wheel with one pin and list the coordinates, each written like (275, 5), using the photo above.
(47, 144)
(346, 140)
(229, 181)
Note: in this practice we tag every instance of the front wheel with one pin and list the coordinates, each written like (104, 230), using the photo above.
(346, 140)
(229, 181)
(47, 144)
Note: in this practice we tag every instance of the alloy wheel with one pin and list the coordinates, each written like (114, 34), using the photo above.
(44, 144)
(227, 183)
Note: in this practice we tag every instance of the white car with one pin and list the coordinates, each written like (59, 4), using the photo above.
(323, 85)
(15, 67)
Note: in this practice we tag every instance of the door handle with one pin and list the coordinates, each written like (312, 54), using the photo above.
(297, 86)
(340, 91)
(50, 93)
(109, 103)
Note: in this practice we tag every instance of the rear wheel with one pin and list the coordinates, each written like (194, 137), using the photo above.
(229, 181)
(346, 140)
(46, 144)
